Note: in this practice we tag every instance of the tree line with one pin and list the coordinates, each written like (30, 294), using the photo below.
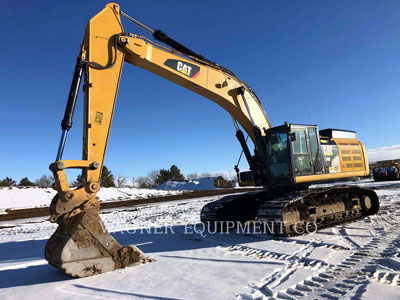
(108, 179)
(43, 181)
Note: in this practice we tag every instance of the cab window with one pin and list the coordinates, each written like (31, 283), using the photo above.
(301, 153)
(278, 155)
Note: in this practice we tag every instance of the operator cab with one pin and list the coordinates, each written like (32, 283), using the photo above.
(293, 150)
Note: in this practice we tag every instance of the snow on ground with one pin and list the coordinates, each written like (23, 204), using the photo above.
(200, 184)
(27, 197)
(359, 260)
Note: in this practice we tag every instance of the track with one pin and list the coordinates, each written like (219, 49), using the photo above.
(15, 214)
(294, 211)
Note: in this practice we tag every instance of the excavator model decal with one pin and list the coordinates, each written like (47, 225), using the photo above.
(188, 69)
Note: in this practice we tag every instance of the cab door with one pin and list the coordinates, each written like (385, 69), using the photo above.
(306, 150)
(315, 148)
(301, 152)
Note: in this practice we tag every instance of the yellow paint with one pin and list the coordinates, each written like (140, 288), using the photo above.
(149, 53)
(322, 177)
(352, 155)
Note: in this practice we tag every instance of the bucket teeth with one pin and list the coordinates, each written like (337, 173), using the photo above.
(82, 246)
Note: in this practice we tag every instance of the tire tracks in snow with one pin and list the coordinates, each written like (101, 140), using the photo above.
(349, 278)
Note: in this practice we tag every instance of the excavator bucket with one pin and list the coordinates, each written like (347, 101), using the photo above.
(82, 246)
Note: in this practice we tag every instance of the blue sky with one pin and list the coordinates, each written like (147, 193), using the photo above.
(331, 63)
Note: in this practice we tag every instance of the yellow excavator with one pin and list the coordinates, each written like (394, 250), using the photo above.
(286, 159)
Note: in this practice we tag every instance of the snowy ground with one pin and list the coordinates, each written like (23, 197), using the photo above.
(28, 197)
(353, 261)
(201, 184)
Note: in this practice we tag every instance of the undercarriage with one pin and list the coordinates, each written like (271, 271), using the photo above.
(292, 213)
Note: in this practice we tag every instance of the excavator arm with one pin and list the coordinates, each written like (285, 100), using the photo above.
(81, 246)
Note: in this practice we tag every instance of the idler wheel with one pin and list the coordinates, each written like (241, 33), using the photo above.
(366, 203)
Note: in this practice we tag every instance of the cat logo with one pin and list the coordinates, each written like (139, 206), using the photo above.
(183, 67)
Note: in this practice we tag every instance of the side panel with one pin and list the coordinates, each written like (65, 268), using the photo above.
(353, 161)
(351, 155)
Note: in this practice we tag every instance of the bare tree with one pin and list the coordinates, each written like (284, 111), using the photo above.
(133, 181)
(143, 182)
(205, 174)
(152, 176)
(45, 181)
(192, 176)
(122, 181)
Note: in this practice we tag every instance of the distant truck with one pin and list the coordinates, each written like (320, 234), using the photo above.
(386, 170)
